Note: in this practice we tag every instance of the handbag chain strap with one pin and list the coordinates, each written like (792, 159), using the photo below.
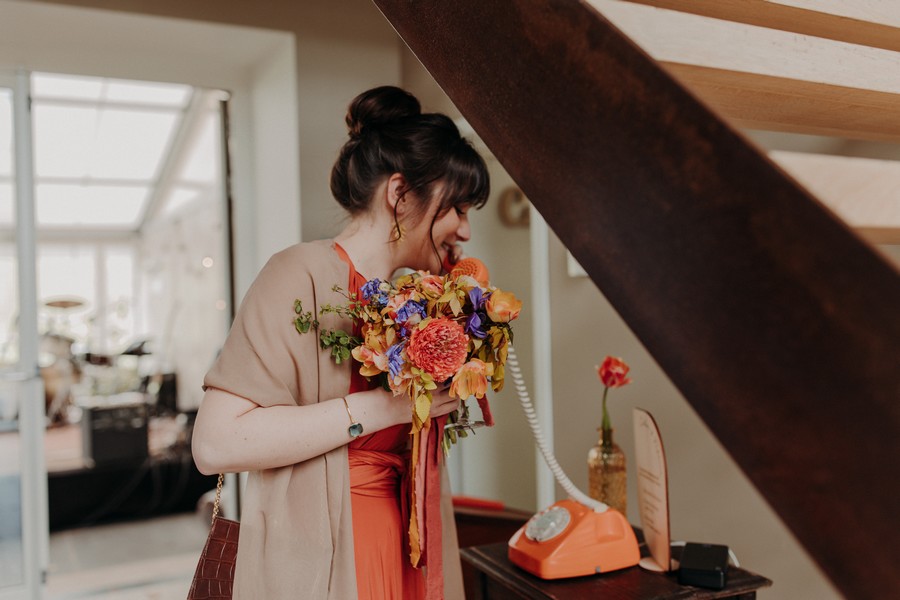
(218, 497)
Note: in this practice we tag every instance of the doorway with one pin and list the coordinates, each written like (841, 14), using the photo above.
(133, 297)
(256, 66)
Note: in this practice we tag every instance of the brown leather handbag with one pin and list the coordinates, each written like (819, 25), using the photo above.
(214, 577)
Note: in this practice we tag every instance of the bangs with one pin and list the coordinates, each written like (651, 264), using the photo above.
(466, 182)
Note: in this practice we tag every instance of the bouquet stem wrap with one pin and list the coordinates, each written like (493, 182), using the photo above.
(425, 530)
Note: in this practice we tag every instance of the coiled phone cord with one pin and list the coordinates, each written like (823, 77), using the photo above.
(512, 365)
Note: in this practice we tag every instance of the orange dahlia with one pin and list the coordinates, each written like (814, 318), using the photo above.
(439, 348)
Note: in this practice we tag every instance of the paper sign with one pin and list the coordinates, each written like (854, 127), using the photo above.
(653, 491)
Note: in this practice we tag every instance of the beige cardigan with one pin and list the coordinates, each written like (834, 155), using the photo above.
(296, 536)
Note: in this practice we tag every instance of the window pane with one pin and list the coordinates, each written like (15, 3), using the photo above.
(64, 140)
(77, 141)
(140, 92)
(77, 205)
(203, 156)
(66, 272)
(131, 144)
(178, 199)
(120, 302)
(73, 87)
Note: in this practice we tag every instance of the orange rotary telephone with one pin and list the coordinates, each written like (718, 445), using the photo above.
(569, 539)
(573, 537)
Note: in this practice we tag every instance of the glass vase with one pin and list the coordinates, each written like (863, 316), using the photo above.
(607, 477)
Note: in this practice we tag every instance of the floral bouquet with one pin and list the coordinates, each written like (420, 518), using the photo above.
(417, 334)
(423, 331)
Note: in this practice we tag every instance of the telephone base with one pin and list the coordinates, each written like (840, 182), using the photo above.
(581, 542)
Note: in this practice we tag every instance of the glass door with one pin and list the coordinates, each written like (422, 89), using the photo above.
(23, 481)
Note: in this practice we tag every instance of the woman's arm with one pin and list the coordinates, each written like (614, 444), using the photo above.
(234, 434)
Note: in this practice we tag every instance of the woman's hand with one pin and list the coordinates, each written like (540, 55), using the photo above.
(377, 408)
(442, 403)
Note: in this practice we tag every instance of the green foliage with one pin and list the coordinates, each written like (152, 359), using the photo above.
(304, 320)
(340, 342)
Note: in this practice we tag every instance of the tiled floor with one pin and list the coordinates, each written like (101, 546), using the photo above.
(153, 559)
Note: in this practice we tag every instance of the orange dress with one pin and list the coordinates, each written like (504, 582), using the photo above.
(378, 470)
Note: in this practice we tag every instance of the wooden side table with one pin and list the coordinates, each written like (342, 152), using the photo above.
(499, 579)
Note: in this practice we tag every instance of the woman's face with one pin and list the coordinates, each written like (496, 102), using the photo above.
(449, 229)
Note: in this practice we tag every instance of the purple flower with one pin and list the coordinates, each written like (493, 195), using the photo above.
(370, 288)
(371, 292)
(395, 358)
(477, 298)
(474, 326)
(410, 309)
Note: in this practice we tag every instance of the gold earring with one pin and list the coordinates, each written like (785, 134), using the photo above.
(400, 231)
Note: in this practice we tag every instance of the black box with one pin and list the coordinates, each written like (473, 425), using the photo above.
(703, 565)
(115, 434)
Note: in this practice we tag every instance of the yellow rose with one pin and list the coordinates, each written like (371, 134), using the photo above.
(503, 307)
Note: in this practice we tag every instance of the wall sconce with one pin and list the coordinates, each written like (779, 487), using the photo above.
(514, 208)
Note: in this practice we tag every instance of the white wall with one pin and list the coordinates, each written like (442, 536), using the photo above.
(343, 69)
(892, 252)
(276, 195)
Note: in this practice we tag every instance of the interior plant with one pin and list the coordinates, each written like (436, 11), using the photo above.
(607, 477)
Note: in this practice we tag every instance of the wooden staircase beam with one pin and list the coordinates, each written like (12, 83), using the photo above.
(770, 79)
(864, 192)
(754, 101)
(775, 321)
(871, 23)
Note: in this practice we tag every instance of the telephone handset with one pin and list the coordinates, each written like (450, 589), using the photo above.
(573, 537)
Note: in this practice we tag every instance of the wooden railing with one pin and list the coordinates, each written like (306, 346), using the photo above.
(778, 324)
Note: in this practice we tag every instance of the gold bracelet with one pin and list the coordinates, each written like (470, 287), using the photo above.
(355, 430)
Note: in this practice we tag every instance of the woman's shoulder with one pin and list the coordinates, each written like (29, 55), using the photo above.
(311, 257)
(296, 270)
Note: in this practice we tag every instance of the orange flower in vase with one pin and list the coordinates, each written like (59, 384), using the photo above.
(607, 477)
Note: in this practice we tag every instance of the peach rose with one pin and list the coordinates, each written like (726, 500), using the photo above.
(471, 379)
(373, 362)
(503, 307)
(432, 286)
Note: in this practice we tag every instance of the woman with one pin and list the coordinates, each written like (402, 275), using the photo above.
(323, 515)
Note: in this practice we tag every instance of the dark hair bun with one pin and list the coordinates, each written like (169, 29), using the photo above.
(380, 106)
(389, 134)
